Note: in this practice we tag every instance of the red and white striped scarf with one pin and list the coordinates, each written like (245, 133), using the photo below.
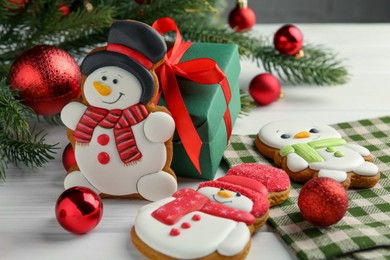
(121, 121)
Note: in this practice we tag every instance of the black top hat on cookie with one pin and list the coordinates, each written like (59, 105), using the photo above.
(133, 46)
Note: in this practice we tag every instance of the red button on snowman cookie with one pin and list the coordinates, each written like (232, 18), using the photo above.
(122, 142)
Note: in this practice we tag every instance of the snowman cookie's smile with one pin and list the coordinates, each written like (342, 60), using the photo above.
(113, 102)
(222, 202)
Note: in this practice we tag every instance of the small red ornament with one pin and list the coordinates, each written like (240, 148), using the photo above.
(79, 210)
(64, 9)
(265, 89)
(242, 18)
(323, 201)
(47, 78)
(288, 40)
(68, 158)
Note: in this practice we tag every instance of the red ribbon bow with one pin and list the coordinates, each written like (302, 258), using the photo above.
(201, 70)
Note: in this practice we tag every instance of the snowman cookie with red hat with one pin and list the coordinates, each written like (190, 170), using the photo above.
(214, 222)
(121, 140)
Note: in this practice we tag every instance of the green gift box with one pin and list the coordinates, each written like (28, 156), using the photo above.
(206, 105)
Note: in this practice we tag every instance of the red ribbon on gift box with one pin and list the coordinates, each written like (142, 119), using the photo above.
(200, 70)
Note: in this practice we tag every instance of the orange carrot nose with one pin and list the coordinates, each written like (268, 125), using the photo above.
(224, 194)
(102, 89)
(303, 134)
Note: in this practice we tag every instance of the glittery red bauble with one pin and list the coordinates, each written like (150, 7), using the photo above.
(288, 40)
(323, 201)
(264, 88)
(79, 210)
(242, 18)
(47, 78)
(68, 158)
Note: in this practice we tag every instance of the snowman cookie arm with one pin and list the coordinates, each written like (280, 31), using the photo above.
(72, 113)
(359, 149)
(236, 241)
(159, 127)
(296, 163)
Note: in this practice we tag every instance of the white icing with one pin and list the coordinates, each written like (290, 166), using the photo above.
(162, 122)
(116, 178)
(367, 169)
(338, 176)
(149, 186)
(203, 238)
(363, 151)
(296, 163)
(128, 89)
(236, 240)
(71, 114)
(271, 133)
(350, 161)
(242, 202)
(76, 178)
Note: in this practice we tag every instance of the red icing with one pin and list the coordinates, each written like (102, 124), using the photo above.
(174, 232)
(103, 158)
(103, 139)
(196, 217)
(186, 225)
(189, 200)
(273, 178)
(245, 182)
(260, 201)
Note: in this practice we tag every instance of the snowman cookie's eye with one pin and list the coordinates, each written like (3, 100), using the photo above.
(314, 131)
(285, 136)
(104, 78)
(238, 194)
(221, 189)
(115, 81)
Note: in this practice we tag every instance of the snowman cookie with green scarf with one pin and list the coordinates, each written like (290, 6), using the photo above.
(306, 150)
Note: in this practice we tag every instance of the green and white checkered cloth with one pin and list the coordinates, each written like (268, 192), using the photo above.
(364, 231)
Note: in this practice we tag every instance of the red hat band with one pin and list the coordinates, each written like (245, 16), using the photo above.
(133, 54)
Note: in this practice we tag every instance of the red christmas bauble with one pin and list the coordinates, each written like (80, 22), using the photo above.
(47, 78)
(288, 40)
(323, 201)
(79, 210)
(64, 9)
(264, 89)
(68, 158)
(242, 18)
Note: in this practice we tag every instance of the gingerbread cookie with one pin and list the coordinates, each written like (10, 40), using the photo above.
(306, 150)
(121, 140)
(211, 223)
(275, 180)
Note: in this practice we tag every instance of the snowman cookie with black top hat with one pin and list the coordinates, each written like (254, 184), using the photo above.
(122, 141)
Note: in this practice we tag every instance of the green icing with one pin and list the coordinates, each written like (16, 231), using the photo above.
(339, 154)
(307, 152)
(327, 143)
(330, 149)
(286, 150)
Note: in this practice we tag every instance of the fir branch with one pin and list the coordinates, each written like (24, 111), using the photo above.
(17, 144)
(319, 66)
(13, 115)
(32, 153)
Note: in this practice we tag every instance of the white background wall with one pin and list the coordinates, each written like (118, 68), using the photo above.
(306, 11)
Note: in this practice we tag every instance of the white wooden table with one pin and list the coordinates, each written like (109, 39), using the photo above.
(29, 230)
